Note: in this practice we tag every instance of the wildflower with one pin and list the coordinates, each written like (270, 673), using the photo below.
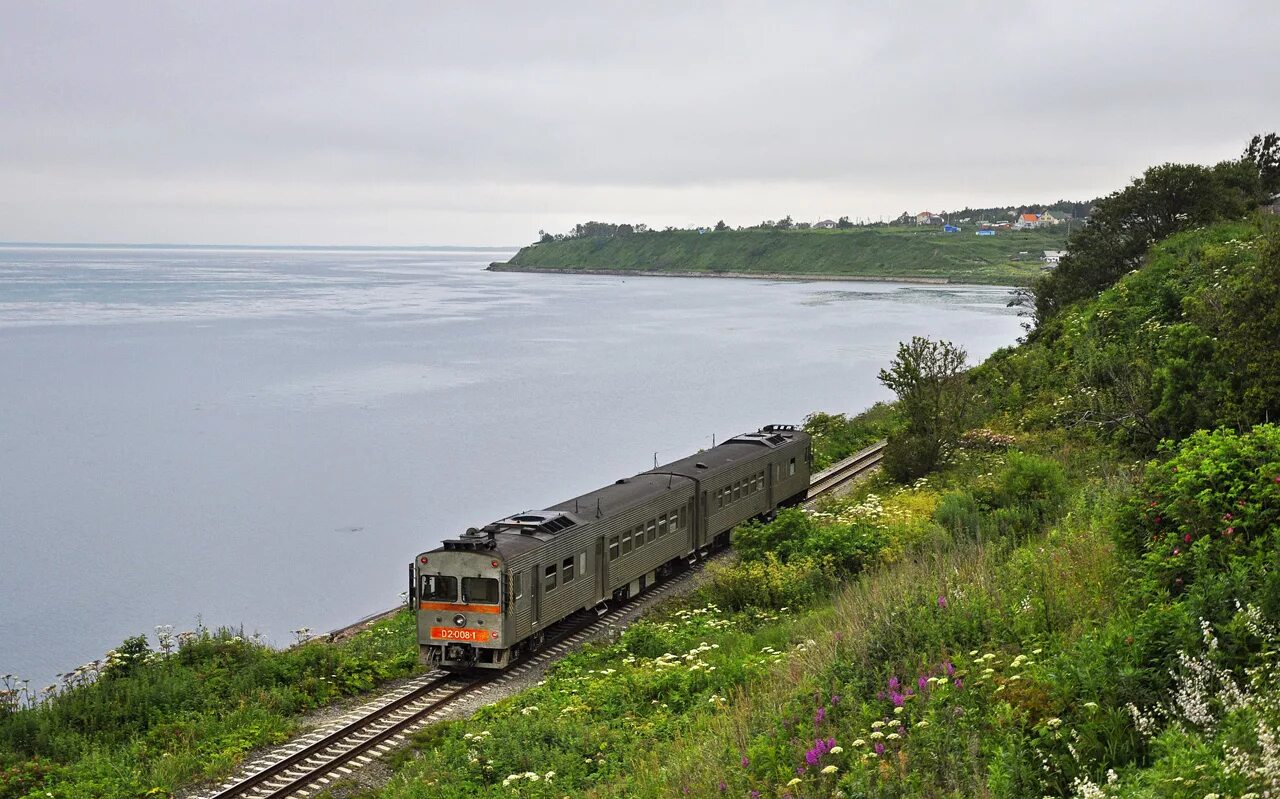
(723, 786)
(875, 725)
(794, 782)
(859, 742)
(1187, 538)
(922, 723)
(923, 683)
(837, 750)
(820, 716)
(948, 667)
(755, 795)
(879, 747)
(1091, 705)
(877, 735)
(942, 601)
(898, 710)
(745, 761)
(893, 736)
(1229, 531)
(830, 770)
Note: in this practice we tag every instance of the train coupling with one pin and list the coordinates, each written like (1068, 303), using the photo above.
(601, 608)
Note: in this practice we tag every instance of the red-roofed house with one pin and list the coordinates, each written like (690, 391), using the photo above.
(929, 218)
(1025, 221)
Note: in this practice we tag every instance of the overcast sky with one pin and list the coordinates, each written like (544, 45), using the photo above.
(479, 123)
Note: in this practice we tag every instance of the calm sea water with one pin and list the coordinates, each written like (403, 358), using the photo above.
(265, 438)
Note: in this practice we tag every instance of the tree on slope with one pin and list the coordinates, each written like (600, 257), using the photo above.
(927, 377)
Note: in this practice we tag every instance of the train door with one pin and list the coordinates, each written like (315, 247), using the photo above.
(603, 567)
(697, 531)
(535, 597)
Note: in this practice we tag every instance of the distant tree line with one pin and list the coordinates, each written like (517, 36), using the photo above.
(608, 230)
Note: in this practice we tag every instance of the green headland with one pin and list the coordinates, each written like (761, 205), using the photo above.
(924, 253)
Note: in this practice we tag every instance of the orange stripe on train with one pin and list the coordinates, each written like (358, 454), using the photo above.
(454, 607)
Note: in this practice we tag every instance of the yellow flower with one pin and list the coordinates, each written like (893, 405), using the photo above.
(830, 770)
(794, 782)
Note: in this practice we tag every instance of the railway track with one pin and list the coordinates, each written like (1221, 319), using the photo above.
(839, 474)
(311, 763)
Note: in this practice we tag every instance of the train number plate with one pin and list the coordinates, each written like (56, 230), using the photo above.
(459, 634)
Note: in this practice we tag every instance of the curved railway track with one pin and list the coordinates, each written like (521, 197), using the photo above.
(311, 763)
(841, 473)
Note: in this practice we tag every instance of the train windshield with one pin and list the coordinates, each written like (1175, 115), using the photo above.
(480, 590)
(439, 588)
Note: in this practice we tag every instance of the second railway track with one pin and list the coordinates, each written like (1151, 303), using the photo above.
(313, 762)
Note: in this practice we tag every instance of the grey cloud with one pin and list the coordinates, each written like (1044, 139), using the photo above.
(285, 108)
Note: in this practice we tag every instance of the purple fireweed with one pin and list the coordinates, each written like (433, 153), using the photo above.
(894, 684)
(942, 601)
(896, 698)
(746, 761)
(948, 668)
(754, 795)
(820, 716)
(835, 699)
(959, 683)
(879, 747)
(922, 682)
(723, 786)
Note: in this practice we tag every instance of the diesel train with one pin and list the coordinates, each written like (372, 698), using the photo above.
(487, 597)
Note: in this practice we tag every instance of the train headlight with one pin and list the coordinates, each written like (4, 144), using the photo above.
(460, 620)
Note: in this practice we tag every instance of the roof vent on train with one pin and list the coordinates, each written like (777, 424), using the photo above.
(531, 522)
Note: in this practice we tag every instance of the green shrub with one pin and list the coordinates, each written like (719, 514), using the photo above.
(909, 456)
(1209, 510)
(794, 534)
(1035, 486)
(769, 583)
(960, 514)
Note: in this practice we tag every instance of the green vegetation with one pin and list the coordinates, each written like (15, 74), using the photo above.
(877, 252)
(1081, 597)
(144, 722)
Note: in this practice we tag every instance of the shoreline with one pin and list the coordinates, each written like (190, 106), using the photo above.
(501, 266)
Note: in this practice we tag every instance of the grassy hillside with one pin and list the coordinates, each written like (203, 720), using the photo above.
(910, 252)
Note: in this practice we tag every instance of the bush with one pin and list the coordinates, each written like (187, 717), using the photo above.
(794, 534)
(1210, 509)
(960, 514)
(1034, 484)
(908, 456)
(769, 583)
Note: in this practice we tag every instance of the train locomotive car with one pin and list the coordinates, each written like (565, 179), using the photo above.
(487, 597)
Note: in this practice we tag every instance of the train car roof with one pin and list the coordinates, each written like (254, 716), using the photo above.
(529, 530)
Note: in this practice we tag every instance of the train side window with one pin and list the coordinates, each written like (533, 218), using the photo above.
(549, 579)
(638, 534)
(793, 467)
(582, 563)
(517, 586)
(613, 547)
(651, 532)
(626, 542)
(662, 525)
(566, 568)
(737, 491)
(683, 518)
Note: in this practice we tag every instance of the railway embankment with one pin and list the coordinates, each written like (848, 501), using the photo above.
(1062, 583)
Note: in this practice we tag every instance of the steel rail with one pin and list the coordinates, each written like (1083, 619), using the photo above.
(843, 471)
